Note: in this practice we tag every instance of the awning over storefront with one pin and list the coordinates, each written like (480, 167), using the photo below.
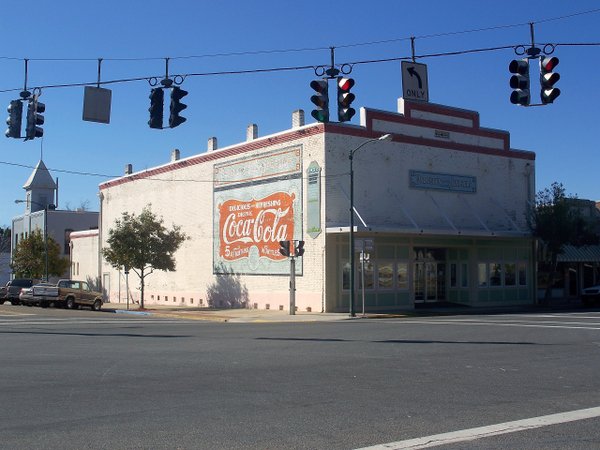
(586, 253)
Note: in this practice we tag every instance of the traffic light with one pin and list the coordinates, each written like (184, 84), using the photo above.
(548, 92)
(15, 117)
(321, 100)
(345, 99)
(34, 118)
(176, 107)
(299, 251)
(157, 98)
(284, 248)
(519, 81)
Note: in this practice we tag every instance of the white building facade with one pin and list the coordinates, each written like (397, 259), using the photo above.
(441, 209)
(41, 214)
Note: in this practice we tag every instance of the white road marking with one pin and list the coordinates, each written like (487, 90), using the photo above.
(498, 324)
(15, 323)
(16, 314)
(472, 434)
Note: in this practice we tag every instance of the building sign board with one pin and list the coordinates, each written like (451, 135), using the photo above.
(414, 81)
(442, 181)
(313, 201)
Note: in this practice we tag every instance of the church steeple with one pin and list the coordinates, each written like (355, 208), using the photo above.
(40, 188)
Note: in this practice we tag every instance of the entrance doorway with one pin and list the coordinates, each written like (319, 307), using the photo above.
(429, 282)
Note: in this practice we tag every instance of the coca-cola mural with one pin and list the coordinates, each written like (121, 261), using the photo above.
(256, 207)
(260, 223)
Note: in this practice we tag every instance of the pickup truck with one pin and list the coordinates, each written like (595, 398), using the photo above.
(70, 294)
(13, 288)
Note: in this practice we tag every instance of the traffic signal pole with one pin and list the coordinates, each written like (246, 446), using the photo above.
(292, 285)
(292, 249)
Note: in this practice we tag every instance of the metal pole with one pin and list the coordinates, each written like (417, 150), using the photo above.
(352, 312)
(362, 268)
(292, 285)
(127, 287)
(46, 238)
(385, 137)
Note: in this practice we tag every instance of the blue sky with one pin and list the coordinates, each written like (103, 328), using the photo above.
(63, 40)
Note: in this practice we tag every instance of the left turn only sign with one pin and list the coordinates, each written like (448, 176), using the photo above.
(414, 81)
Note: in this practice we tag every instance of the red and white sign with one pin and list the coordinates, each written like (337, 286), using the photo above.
(255, 223)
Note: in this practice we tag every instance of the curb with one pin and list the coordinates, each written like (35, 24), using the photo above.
(124, 311)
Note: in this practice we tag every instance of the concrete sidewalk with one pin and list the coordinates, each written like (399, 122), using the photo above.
(226, 315)
(276, 316)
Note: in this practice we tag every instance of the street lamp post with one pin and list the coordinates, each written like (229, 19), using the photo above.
(385, 137)
(45, 232)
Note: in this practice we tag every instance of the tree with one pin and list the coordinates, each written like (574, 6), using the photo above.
(142, 244)
(29, 257)
(4, 239)
(556, 222)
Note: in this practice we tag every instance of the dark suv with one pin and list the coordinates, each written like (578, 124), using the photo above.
(13, 289)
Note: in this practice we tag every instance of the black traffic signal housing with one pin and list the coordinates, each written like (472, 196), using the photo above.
(321, 100)
(299, 250)
(548, 93)
(345, 99)
(14, 120)
(284, 248)
(176, 107)
(157, 102)
(519, 82)
(35, 109)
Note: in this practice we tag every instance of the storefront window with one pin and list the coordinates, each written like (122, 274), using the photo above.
(510, 278)
(482, 274)
(522, 274)
(495, 274)
(369, 278)
(453, 275)
(464, 275)
(385, 276)
(402, 275)
(346, 277)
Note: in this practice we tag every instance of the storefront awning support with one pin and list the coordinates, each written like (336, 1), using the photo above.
(473, 210)
(443, 214)
(512, 222)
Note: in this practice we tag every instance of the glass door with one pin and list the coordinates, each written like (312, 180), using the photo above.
(429, 282)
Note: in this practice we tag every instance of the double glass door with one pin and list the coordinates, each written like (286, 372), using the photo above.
(429, 280)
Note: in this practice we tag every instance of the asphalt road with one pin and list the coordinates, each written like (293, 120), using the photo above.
(87, 380)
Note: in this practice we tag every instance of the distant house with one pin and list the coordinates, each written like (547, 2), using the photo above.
(41, 213)
(578, 267)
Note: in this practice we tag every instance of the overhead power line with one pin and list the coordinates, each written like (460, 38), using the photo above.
(293, 68)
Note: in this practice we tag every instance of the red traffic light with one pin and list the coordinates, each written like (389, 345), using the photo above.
(345, 84)
(548, 63)
(345, 99)
(548, 79)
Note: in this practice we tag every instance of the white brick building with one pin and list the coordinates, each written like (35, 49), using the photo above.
(444, 203)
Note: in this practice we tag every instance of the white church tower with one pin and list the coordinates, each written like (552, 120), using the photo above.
(40, 189)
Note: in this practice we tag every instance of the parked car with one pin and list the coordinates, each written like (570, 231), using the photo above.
(590, 296)
(13, 289)
(67, 293)
(27, 298)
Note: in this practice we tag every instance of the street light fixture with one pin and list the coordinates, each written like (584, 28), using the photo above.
(45, 231)
(385, 137)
